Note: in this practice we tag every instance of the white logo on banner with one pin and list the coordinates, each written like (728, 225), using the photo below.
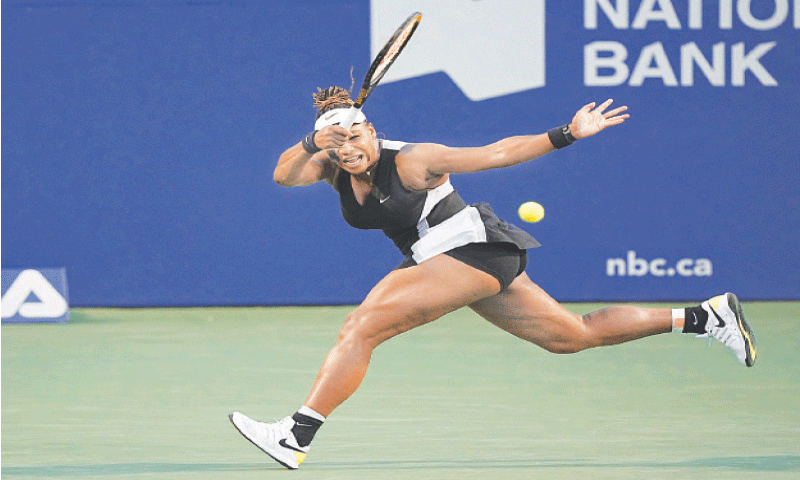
(51, 304)
(460, 38)
(672, 67)
(658, 267)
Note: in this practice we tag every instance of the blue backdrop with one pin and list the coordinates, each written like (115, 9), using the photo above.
(139, 139)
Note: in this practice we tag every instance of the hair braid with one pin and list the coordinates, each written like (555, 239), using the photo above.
(330, 98)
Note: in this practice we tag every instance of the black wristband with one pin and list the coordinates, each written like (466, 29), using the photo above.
(309, 145)
(561, 137)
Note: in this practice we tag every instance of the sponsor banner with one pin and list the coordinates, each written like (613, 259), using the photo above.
(34, 295)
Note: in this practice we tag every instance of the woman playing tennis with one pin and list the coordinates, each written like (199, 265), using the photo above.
(456, 255)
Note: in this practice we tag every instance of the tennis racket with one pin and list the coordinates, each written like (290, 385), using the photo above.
(381, 64)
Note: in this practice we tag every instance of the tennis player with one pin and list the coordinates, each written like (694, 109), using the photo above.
(455, 255)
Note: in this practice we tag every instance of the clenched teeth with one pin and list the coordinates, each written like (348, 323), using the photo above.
(354, 159)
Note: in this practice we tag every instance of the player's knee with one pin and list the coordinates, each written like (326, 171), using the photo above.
(360, 328)
(564, 347)
(353, 329)
(574, 341)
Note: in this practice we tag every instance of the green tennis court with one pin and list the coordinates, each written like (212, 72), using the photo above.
(145, 393)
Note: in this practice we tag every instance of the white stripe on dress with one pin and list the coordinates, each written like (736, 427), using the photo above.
(462, 228)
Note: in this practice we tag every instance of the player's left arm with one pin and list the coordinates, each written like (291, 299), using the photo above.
(426, 162)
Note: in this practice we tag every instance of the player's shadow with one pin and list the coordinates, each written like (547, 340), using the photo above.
(765, 463)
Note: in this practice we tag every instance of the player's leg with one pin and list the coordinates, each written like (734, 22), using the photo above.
(527, 311)
(403, 300)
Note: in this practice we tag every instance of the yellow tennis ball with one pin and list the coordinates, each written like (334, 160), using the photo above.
(531, 212)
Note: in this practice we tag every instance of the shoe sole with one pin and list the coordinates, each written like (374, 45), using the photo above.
(230, 417)
(747, 333)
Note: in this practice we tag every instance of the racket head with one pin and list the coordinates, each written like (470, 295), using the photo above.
(388, 54)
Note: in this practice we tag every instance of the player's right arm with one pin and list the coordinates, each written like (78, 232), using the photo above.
(297, 167)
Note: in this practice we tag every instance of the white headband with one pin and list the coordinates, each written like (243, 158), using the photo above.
(332, 117)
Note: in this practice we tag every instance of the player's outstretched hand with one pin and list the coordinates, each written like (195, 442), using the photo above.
(590, 120)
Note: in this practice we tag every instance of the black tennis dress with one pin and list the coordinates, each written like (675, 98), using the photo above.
(423, 224)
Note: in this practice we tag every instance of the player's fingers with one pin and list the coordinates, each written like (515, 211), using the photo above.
(327, 140)
(587, 107)
(604, 105)
(340, 130)
(615, 112)
(338, 135)
(616, 120)
(334, 133)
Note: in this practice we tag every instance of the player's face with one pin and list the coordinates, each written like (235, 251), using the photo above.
(360, 151)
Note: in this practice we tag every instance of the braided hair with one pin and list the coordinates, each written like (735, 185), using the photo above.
(330, 98)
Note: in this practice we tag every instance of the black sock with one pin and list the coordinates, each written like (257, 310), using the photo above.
(305, 428)
(695, 320)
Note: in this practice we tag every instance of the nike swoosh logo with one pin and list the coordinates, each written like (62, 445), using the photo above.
(384, 199)
(719, 319)
(283, 444)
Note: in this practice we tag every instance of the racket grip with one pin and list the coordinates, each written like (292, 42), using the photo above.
(350, 117)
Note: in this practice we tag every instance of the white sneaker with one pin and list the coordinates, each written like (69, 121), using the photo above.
(275, 439)
(726, 324)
